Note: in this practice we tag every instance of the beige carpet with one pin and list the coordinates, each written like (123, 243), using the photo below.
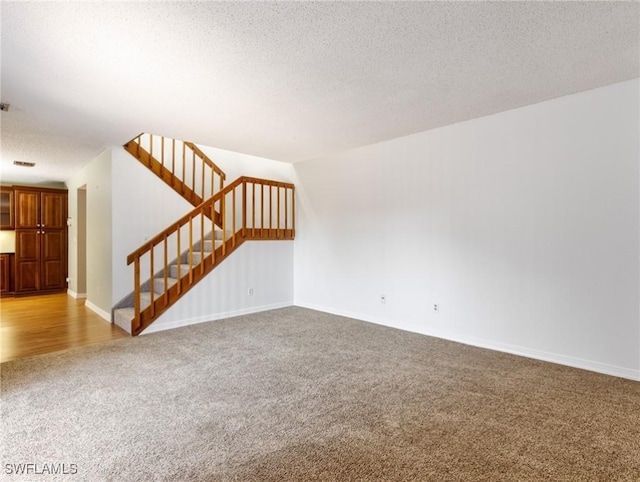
(294, 394)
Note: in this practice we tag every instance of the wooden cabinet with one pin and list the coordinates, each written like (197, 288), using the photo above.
(27, 260)
(41, 239)
(6, 207)
(27, 208)
(40, 209)
(6, 274)
(53, 253)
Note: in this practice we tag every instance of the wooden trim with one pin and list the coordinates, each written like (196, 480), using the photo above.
(201, 243)
(267, 182)
(166, 268)
(193, 172)
(190, 258)
(184, 164)
(205, 159)
(244, 208)
(233, 218)
(179, 258)
(152, 290)
(224, 223)
(286, 207)
(173, 157)
(136, 294)
(165, 174)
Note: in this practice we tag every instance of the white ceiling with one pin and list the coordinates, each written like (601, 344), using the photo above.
(287, 81)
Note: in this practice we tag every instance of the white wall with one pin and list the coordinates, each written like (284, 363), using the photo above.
(235, 165)
(523, 226)
(97, 177)
(264, 266)
(7, 241)
(81, 242)
(143, 206)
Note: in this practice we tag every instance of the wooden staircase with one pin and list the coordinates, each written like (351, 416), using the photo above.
(167, 266)
(180, 164)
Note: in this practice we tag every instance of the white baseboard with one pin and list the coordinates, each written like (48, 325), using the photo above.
(98, 311)
(73, 294)
(160, 326)
(527, 352)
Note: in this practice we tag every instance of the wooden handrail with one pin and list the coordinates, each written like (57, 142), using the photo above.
(205, 159)
(268, 182)
(199, 209)
(178, 167)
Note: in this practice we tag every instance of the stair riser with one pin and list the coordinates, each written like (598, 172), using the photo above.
(145, 300)
(196, 258)
(219, 235)
(174, 271)
(158, 284)
(208, 245)
(122, 319)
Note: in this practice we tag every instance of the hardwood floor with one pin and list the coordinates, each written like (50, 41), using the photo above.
(42, 324)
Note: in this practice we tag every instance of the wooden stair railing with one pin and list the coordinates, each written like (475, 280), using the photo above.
(177, 258)
(180, 164)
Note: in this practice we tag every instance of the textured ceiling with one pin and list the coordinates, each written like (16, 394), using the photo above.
(287, 81)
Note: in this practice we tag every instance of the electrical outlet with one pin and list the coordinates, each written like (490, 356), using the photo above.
(436, 308)
(250, 292)
(383, 299)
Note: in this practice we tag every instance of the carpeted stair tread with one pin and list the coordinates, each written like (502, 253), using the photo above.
(159, 284)
(125, 315)
(184, 270)
(197, 256)
(208, 244)
(219, 234)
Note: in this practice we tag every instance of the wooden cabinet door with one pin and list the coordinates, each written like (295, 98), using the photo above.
(27, 204)
(7, 208)
(41, 239)
(53, 210)
(54, 260)
(27, 276)
(5, 273)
